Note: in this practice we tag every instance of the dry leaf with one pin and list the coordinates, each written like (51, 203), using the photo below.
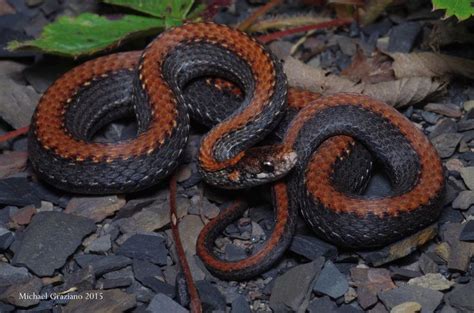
(286, 21)
(430, 64)
(398, 93)
(405, 91)
(369, 70)
(313, 79)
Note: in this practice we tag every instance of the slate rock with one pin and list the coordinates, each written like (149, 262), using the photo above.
(102, 264)
(161, 303)
(403, 273)
(211, 297)
(429, 299)
(427, 265)
(18, 191)
(6, 239)
(189, 227)
(291, 290)
(323, 304)
(42, 74)
(446, 143)
(370, 282)
(400, 248)
(465, 125)
(378, 308)
(143, 269)
(96, 208)
(12, 162)
(434, 281)
(403, 37)
(114, 283)
(145, 247)
(114, 300)
(312, 248)
(462, 298)
(13, 293)
(82, 279)
(6, 307)
(331, 282)
(467, 174)
(460, 251)
(280, 48)
(464, 200)
(446, 109)
(50, 239)
(234, 253)
(12, 275)
(443, 126)
(23, 216)
(467, 233)
(349, 308)
(152, 217)
(240, 305)
(448, 309)
(159, 286)
(99, 245)
(151, 276)
(21, 101)
(430, 117)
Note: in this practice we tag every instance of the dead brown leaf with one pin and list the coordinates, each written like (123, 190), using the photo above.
(405, 91)
(430, 64)
(398, 93)
(369, 70)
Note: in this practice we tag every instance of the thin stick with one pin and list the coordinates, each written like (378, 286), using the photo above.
(14, 133)
(195, 302)
(277, 35)
(259, 12)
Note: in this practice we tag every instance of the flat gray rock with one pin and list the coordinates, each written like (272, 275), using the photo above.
(331, 282)
(145, 247)
(291, 290)
(429, 299)
(102, 264)
(12, 275)
(50, 239)
(462, 297)
(161, 303)
(21, 102)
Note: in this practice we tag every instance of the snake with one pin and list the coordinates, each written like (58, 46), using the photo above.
(319, 168)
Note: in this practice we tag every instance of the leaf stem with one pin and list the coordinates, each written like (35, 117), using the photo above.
(277, 35)
(195, 302)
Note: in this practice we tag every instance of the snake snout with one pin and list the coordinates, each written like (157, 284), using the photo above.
(265, 164)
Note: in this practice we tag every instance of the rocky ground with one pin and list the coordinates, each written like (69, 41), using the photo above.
(120, 247)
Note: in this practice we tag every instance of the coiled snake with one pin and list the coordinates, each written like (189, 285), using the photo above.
(326, 167)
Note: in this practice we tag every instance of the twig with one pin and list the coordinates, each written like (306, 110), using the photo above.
(195, 302)
(276, 35)
(259, 12)
(14, 133)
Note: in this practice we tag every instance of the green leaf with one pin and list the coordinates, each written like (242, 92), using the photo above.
(88, 33)
(462, 9)
(177, 9)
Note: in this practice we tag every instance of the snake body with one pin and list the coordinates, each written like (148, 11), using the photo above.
(329, 144)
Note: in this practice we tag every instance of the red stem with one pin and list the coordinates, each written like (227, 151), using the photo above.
(277, 35)
(14, 133)
(195, 302)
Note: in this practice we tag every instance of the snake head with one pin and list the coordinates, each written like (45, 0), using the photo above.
(261, 165)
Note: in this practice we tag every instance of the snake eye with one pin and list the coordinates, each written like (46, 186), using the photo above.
(268, 166)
